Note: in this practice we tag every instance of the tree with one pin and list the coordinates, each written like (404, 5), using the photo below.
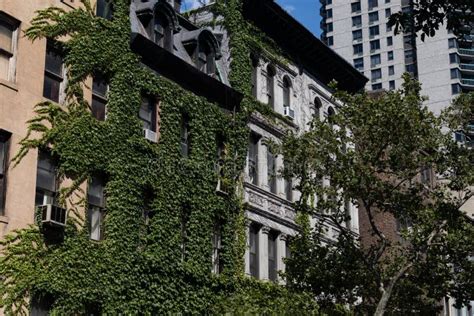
(427, 16)
(377, 152)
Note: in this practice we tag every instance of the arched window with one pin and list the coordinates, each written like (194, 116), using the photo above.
(286, 92)
(206, 58)
(270, 85)
(331, 114)
(317, 108)
(163, 31)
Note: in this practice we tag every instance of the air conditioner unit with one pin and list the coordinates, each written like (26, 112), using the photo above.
(53, 215)
(289, 112)
(150, 135)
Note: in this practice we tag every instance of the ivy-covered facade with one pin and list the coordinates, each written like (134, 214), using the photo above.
(141, 136)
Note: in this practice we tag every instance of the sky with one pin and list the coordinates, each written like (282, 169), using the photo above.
(305, 11)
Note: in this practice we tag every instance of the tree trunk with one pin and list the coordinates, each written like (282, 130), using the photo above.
(387, 292)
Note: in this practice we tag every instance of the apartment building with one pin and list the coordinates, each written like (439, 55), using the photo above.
(295, 92)
(358, 31)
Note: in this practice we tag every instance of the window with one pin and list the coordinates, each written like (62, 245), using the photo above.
(221, 154)
(328, 1)
(357, 21)
(105, 9)
(185, 139)
(317, 108)
(391, 70)
(377, 86)
(206, 59)
(8, 42)
(286, 92)
(455, 73)
(147, 113)
(373, 4)
(374, 31)
(355, 6)
(376, 74)
(46, 179)
(358, 49)
(329, 27)
(375, 60)
(390, 55)
(453, 58)
(329, 13)
(359, 63)
(455, 88)
(373, 17)
(53, 73)
(217, 249)
(374, 45)
(409, 56)
(388, 12)
(96, 207)
(452, 43)
(272, 256)
(253, 159)
(331, 114)
(4, 147)
(411, 68)
(388, 28)
(391, 84)
(99, 97)
(387, 1)
(163, 31)
(270, 84)
(330, 40)
(271, 171)
(357, 35)
(255, 61)
(389, 41)
(253, 250)
(289, 189)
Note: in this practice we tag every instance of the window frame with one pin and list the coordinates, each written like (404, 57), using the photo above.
(5, 139)
(96, 209)
(12, 53)
(49, 195)
(152, 103)
(272, 246)
(55, 48)
(253, 161)
(254, 251)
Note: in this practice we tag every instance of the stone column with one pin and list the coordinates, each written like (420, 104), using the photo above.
(263, 253)
(247, 246)
(262, 165)
(281, 254)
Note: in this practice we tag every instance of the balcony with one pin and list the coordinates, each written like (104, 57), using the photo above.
(467, 84)
(467, 67)
(466, 52)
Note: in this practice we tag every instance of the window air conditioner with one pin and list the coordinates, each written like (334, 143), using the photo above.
(289, 112)
(53, 215)
(150, 135)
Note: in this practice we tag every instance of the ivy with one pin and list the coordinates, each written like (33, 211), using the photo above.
(139, 268)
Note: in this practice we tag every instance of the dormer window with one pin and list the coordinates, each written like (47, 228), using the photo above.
(163, 31)
(206, 58)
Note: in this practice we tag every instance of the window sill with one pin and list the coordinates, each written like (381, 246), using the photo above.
(9, 84)
(4, 219)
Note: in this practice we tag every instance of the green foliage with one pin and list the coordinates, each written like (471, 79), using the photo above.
(378, 166)
(140, 267)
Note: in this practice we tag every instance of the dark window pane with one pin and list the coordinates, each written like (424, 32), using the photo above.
(185, 137)
(105, 9)
(272, 257)
(99, 86)
(147, 114)
(253, 159)
(51, 87)
(98, 108)
(95, 192)
(54, 62)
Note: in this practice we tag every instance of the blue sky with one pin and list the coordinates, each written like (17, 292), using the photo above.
(305, 11)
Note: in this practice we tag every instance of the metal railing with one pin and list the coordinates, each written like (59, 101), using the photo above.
(467, 66)
(469, 82)
(464, 51)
